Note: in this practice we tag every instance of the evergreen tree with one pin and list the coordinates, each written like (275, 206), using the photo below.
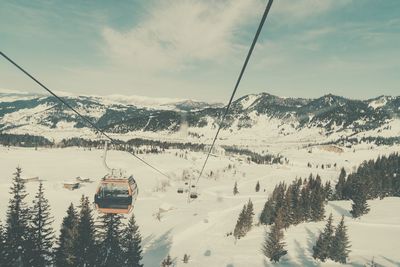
(186, 258)
(2, 245)
(305, 204)
(287, 212)
(341, 244)
(249, 214)
(110, 250)
(295, 201)
(41, 232)
(340, 186)
(360, 205)
(323, 246)
(267, 214)
(17, 228)
(273, 247)
(235, 189)
(245, 221)
(239, 230)
(317, 200)
(258, 186)
(328, 191)
(167, 262)
(131, 244)
(85, 242)
(64, 252)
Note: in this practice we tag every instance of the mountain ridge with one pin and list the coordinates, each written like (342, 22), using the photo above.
(327, 115)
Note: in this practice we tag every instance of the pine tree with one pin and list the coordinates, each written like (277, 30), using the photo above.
(2, 245)
(340, 186)
(258, 186)
(249, 214)
(287, 212)
(85, 243)
(235, 189)
(305, 204)
(110, 250)
(64, 252)
(295, 201)
(317, 201)
(167, 262)
(360, 205)
(239, 230)
(17, 228)
(267, 215)
(273, 247)
(328, 191)
(41, 232)
(186, 258)
(323, 246)
(131, 244)
(341, 244)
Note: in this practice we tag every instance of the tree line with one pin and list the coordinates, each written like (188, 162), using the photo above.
(28, 238)
(377, 178)
(301, 201)
(136, 145)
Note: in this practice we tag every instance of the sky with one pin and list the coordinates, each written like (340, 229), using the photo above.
(196, 48)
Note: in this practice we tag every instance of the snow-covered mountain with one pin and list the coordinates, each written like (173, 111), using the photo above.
(263, 115)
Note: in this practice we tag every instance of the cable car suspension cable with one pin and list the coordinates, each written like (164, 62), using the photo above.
(91, 124)
(264, 17)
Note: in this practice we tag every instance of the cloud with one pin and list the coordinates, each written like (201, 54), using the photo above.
(302, 9)
(177, 34)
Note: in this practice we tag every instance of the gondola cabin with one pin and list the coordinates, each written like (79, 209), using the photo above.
(116, 195)
(193, 195)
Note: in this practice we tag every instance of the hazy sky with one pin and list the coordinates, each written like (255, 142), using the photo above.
(195, 49)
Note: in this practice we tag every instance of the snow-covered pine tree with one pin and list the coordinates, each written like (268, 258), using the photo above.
(273, 247)
(295, 201)
(323, 246)
(328, 191)
(2, 245)
(85, 242)
(267, 215)
(239, 230)
(287, 212)
(249, 214)
(110, 231)
(131, 244)
(317, 200)
(167, 262)
(359, 198)
(341, 244)
(64, 252)
(304, 204)
(258, 186)
(235, 189)
(41, 231)
(17, 228)
(186, 258)
(340, 186)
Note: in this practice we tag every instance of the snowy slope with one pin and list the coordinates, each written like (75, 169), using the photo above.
(200, 228)
(253, 119)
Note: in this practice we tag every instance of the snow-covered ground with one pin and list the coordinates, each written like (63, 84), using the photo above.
(199, 228)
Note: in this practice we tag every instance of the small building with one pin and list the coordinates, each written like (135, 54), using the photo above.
(71, 185)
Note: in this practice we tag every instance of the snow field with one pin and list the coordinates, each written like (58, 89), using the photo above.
(199, 228)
